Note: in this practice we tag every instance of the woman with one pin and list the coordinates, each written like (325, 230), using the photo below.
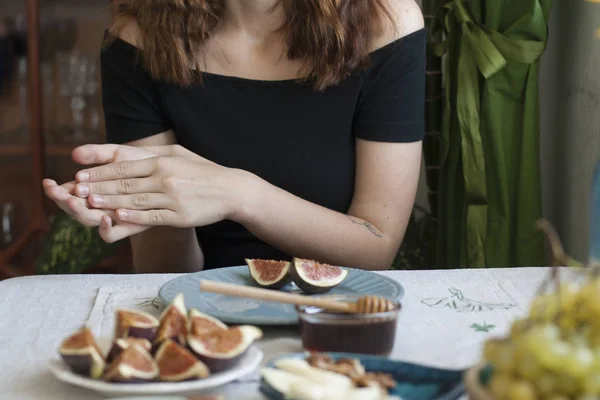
(271, 129)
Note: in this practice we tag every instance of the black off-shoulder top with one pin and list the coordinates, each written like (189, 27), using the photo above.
(292, 136)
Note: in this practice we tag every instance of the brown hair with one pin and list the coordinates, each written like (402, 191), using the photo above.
(331, 37)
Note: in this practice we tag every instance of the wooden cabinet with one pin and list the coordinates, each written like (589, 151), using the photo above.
(43, 101)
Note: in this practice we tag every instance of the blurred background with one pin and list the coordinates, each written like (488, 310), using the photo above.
(69, 39)
(62, 85)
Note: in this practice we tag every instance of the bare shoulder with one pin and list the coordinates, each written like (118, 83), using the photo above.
(128, 30)
(407, 18)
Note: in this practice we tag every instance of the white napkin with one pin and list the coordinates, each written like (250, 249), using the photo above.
(102, 317)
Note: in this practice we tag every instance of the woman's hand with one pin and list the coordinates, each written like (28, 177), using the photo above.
(75, 203)
(176, 188)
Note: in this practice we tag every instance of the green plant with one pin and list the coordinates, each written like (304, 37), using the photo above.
(71, 248)
(418, 247)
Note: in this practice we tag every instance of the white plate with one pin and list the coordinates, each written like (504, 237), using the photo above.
(247, 364)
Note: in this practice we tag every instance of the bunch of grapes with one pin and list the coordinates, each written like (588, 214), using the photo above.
(554, 352)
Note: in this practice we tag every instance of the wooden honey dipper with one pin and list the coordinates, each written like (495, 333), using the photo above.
(363, 305)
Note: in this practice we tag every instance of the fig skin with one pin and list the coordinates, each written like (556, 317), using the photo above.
(283, 280)
(82, 354)
(178, 364)
(307, 286)
(134, 323)
(173, 323)
(217, 360)
(197, 328)
(121, 344)
(123, 368)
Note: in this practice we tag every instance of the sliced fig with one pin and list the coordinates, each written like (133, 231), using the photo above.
(173, 323)
(176, 363)
(199, 324)
(221, 349)
(270, 274)
(121, 344)
(82, 354)
(134, 365)
(134, 323)
(315, 277)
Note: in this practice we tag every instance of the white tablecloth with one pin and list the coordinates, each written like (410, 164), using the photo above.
(445, 317)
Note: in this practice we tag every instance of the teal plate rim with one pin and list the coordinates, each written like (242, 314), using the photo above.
(449, 382)
(257, 320)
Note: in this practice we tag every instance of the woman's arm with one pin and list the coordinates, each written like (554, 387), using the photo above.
(184, 190)
(368, 236)
(386, 180)
(163, 249)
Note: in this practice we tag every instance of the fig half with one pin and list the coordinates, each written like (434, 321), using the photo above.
(315, 277)
(269, 274)
(134, 323)
(121, 344)
(133, 365)
(199, 324)
(173, 323)
(82, 354)
(221, 349)
(176, 363)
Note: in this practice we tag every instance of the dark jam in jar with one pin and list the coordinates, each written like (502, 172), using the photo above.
(323, 331)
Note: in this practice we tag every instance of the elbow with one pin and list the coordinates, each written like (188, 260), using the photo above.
(380, 266)
(382, 258)
(384, 262)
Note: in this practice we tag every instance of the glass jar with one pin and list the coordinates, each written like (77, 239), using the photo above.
(325, 331)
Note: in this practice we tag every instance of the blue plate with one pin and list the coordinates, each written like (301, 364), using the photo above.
(237, 310)
(415, 382)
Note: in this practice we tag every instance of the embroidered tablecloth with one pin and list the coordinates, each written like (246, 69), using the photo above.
(446, 314)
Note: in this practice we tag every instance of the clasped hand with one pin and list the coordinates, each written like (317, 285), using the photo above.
(137, 188)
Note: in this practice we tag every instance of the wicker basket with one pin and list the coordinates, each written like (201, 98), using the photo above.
(474, 388)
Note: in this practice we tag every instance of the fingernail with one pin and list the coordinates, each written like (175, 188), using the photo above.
(97, 199)
(83, 176)
(123, 214)
(83, 190)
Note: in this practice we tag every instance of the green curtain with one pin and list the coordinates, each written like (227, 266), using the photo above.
(490, 191)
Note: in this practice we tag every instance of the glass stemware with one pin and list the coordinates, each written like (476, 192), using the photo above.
(77, 83)
(7, 225)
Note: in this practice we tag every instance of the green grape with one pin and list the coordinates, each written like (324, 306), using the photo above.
(521, 390)
(596, 364)
(553, 356)
(505, 357)
(527, 366)
(568, 324)
(566, 384)
(546, 332)
(568, 296)
(490, 350)
(591, 384)
(499, 385)
(592, 333)
(578, 362)
(579, 339)
(544, 308)
(518, 328)
(545, 384)
(589, 298)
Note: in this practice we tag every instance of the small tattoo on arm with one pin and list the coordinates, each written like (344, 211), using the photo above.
(367, 225)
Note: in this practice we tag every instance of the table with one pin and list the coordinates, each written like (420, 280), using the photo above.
(445, 317)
